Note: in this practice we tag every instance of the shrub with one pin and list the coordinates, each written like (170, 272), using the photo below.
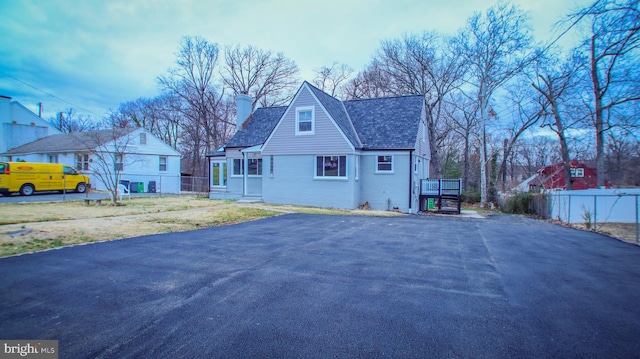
(520, 204)
(471, 197)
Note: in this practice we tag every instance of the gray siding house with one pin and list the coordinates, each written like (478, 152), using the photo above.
(320, 151)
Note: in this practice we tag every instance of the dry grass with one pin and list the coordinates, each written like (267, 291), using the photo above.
(11, 213)
(30, 227)
(624, 231)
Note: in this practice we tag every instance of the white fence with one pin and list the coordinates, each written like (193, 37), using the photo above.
(596, 206)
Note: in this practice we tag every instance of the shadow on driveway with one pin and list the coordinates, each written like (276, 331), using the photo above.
(334, 286)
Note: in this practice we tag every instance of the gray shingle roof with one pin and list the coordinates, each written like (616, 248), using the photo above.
(388, 122)
(69, 142)
(257, 127)
(375, 124)
(337, 112)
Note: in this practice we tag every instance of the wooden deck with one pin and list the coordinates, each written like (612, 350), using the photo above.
(443, 195)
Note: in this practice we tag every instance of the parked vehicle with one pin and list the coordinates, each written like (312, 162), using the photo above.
(29, 177)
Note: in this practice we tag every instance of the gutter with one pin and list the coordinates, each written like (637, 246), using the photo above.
(410, 178)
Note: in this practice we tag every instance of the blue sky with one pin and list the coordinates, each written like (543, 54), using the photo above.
(94, 55)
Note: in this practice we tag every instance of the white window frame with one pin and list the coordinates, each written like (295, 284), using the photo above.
(324, 177)
(237, 163)
(82, 161)
(299, 110)
(166, 163)
(577, 172)
(271, 165)
(222, 175)
(258, 167)
(378, 163)
(52, 158)
(118, 162)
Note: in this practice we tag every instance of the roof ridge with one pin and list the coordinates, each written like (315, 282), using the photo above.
(382, 98)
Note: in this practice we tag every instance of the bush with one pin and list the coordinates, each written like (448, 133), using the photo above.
(526, 203)
(471, 197)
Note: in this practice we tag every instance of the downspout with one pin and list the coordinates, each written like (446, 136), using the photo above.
(410, 178)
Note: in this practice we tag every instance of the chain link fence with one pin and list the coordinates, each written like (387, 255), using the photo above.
(611, 211)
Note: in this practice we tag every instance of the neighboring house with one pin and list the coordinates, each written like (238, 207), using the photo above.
(583, 176)
(319, 151)
(18, 125)
(139, 156)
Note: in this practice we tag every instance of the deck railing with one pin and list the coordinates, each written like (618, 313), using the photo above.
(441, 187)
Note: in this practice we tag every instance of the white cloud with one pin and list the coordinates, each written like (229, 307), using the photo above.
(98, 54)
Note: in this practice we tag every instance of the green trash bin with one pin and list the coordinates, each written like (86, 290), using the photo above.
(140, 187)
(431, 203)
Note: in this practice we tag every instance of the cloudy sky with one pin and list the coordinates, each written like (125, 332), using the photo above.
(94, 55)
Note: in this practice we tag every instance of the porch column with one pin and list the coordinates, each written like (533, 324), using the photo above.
(245, 171)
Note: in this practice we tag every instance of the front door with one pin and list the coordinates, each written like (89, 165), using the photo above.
(218, 174)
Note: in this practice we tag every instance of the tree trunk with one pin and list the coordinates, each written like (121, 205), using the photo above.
(564, 148)
(436, 168)
(599, 121)
(465, 173)
(483, 157)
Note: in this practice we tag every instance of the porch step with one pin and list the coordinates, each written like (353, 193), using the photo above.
(250, 199)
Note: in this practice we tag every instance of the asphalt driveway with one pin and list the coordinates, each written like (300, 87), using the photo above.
(333, 286)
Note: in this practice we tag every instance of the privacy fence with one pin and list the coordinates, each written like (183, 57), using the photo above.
(614, 211)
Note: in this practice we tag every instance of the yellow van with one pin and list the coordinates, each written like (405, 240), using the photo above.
(28, 177)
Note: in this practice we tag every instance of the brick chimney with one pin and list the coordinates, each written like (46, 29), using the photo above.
(243, 109)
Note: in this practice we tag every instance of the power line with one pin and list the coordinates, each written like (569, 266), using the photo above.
(49, 94)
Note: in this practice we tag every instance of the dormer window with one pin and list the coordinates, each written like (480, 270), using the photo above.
(305, 120)
(143, 138)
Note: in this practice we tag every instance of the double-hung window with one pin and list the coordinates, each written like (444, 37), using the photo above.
(331, 166)
(384, 164)
(238, 167)
(577, 172)
(163, 163)
(83, 162)
(118, 164)
(255, 167)
(305, 120)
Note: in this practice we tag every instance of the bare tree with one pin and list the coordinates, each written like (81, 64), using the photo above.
(421, 64)
(496, 48)
(202, 107)
(612, 47)
(370, 83)
(461, 113)
(158, 115)
(558, 105)
(523, 115)
(109, 153)
(332, 79)
(271, 79)
(69, 121)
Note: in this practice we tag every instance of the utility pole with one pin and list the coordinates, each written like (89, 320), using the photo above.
(40, 109)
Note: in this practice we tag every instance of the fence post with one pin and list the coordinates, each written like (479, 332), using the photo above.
(569, 210)
(595, 213)
(637, 235)
(64, 187)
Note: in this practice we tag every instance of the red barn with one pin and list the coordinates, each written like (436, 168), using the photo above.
(552, 177)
